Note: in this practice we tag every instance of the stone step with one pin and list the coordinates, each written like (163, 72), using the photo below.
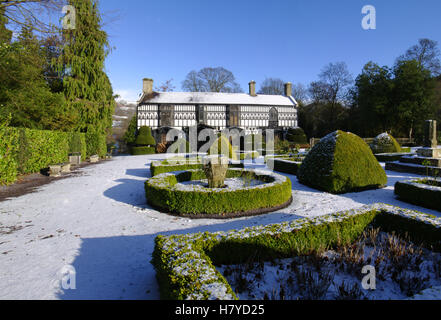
(433, 162)
(413, 168)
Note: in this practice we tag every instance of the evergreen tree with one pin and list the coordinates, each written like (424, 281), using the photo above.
(86, 86)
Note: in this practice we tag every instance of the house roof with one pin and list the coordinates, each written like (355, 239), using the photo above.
(217, 98)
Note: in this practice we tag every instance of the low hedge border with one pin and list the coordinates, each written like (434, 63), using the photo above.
(137, 151)
(248, 155)
(419, 193)
(283, 165)
(185, 264)
(159, 167)
(200, 202)
(389, 157)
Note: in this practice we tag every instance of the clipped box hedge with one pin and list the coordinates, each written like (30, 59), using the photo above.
(283, 165)
(390, 157)
(199, 202)
(420, 192)
(185, 264)
(158, 167)
(137, 151)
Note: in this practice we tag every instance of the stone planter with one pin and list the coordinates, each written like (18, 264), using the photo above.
(65, 167)
(75, 158)
(55, 170)
(215, 169)
(95, 158)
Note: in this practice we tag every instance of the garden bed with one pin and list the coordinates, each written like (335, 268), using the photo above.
(423, 192)
(167, 192)
(186, 264)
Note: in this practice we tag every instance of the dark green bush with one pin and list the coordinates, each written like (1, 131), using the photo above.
(385, 143)
(77, 144)
(137, 151)
(297, 136)
(181, 146)
(145, 137)
(419, 193)
(284, 165)
(212, 202)
(95, 143)
(223, 146)
(341, 162)
(8, 149)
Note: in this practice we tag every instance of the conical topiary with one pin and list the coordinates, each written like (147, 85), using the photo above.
(385, 143)
(145, 137)
(341, 162)
(297, 136)
(223, 146)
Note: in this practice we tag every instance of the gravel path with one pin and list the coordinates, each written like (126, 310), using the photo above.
(98, 222)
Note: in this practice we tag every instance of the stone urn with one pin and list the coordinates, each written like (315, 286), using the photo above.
(215, 168)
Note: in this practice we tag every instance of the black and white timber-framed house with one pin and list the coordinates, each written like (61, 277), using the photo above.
(250, 112)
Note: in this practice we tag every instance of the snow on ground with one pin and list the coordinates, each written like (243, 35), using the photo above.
(98, 223)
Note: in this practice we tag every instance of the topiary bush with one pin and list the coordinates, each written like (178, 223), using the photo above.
(181, 146)
(223, 146)
(145, 137)
(341, 162)
(297, 136)
(385, 143)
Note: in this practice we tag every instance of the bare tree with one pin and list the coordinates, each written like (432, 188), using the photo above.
(272, 86)
(300, 93)
(166, 86)
(30, 13)
(426, 52)
(336, 80)
(211, 80)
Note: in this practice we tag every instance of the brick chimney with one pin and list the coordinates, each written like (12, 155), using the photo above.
(288, 89)
(252, 85)
(147, 86)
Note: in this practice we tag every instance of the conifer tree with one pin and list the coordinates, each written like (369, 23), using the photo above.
(86, 86)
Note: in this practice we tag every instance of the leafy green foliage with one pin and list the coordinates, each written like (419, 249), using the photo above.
(130, 135)
(137, 151)
(145, 137)
(341, 162)
(297, 136)
(419, 194)
(8, 148)
(170, 166)
(95, 143)
(385, 143)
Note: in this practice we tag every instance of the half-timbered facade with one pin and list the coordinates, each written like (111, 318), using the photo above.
(250, 112)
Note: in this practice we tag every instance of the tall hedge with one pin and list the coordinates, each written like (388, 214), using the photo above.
(95, 143)
(24, 151)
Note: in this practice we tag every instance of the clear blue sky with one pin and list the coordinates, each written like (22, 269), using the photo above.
(288, 39)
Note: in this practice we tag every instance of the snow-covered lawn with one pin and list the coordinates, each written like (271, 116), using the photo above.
(98, 222)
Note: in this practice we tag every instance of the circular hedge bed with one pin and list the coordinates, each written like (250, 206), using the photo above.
(164, 193)
(341, 162)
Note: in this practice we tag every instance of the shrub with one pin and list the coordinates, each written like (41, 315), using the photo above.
(95, 143)
(297, 136)
(185, 263)
(419, 192)
(284, 165)
(77, 144)
(341, 162)
(160, 193)
(181, 146)
(222, 146)
(8, 149)
(385, 143)
(145, 137)
(137, 151)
